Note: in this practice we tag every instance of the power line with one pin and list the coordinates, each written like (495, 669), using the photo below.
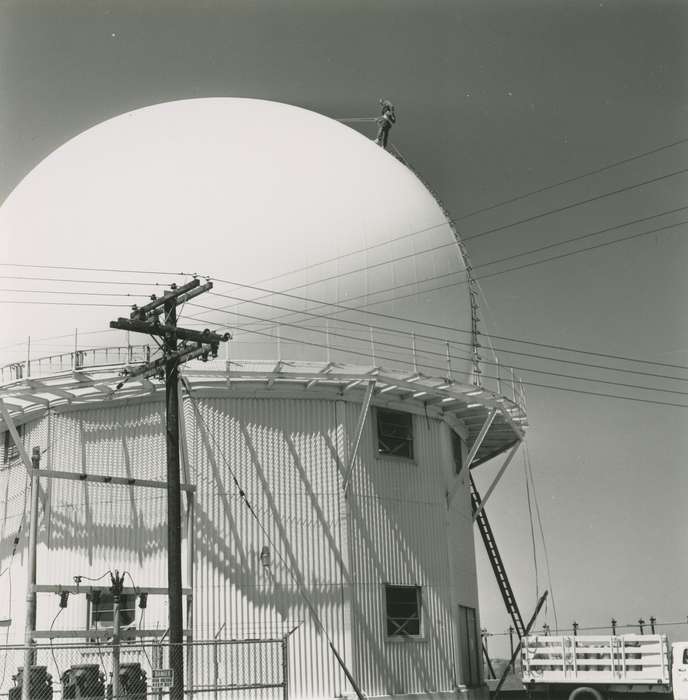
(425, 291)
(579, 238)
(343, 307)
(58, 337)
(453, 220)
(444, 340)
(566, 207)
(64, 303)
(569, 180)
(90, 294)
(101, 269)
(477, 279)
(489, 231)
(379, 342)
(274, 323)
(453, 243)
(529, 473)
(81, 281)
(302, 341)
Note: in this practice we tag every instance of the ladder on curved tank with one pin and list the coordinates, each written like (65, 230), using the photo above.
(496, 561)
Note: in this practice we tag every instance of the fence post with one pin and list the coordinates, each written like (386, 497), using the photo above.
(285, 668)
(216, 664)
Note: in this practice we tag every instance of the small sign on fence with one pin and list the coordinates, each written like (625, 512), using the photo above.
(162, 678)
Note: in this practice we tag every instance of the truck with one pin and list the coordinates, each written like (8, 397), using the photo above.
(602, 667)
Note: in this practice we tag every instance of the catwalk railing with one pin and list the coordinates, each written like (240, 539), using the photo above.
(435, 358)
(214, 668)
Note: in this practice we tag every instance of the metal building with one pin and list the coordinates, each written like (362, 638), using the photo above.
(327, 453)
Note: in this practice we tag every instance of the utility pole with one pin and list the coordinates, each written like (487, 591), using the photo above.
(117, 582)
(146, 319)
(30, 628)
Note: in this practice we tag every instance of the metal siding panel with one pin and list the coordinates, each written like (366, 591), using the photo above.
(401, 533)
(283, 455)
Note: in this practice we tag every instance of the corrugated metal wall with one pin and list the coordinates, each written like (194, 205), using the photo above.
(403, 534)
(268, 474)
(283, 455)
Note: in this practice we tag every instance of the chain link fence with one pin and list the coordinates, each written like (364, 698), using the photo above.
(255, 669)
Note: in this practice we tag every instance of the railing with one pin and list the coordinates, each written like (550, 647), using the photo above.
(213, 669)
(393, 350)
(75, 360)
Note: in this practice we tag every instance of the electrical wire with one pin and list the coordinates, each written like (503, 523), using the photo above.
(464, 238)
(64, 335)
(61, 291)
(52, 650)
(566, 207)
(363, 307)
(64, 303)
(569, 180)
(321, 303)
(273, 292)
(453, 244)
(434, 338)
(143, 610)
(529, 474)
(499, 272)
(502, 227)
(100, 578)
(532, 531)
(468, 359)
(488, 362)
(101, 269)
(81, 281)
(525, 383)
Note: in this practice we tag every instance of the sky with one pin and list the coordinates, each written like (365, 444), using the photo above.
(495, 99)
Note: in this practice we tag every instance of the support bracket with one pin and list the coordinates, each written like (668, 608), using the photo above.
(365, 407)
(472, 453)
(16, 438)
(501, 471)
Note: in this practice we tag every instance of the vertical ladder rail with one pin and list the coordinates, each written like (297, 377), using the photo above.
(496, 561)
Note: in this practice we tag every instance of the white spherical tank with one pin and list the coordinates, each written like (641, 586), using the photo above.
(249, 192)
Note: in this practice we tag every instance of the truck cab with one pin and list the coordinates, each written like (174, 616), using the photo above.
(679, 670)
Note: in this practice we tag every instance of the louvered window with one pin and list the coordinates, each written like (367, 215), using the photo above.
(394, 433)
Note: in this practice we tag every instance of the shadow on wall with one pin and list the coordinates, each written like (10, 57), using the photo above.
(231, 548)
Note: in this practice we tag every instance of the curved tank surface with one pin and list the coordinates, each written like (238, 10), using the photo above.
(250, 192)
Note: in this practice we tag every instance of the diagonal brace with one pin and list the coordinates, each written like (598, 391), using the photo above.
(507, 461)
(15, 437)
(365, 407)
(472, 453)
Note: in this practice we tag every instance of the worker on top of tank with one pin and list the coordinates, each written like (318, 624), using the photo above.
(385, 121)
